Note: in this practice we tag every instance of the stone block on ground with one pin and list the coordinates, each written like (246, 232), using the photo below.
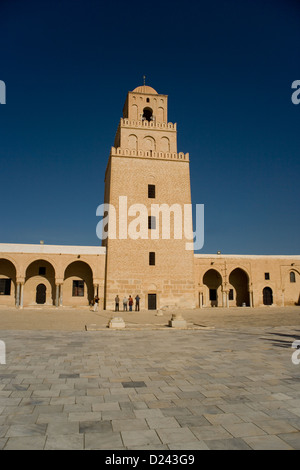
(177, 321)
(116, 322)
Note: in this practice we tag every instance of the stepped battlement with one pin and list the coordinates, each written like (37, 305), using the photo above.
(125, 152)
(124, 122)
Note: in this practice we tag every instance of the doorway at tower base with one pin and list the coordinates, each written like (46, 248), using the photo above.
(152, 296)
(152, 304)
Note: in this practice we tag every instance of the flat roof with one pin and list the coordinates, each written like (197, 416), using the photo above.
(51, 249)
(221, 256)
(101, 250)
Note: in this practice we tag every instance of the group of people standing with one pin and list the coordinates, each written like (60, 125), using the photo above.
(127, 302)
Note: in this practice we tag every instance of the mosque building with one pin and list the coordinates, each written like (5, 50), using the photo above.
(145, 175)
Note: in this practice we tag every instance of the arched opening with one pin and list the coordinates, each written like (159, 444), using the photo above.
(39, 273)
(78, 286)
(268, 296)
(40, 297)
(165, 144)
(134, 112)
(132, 142)
(239, 281)
(212, 279)
(160, 114)
(7, 282)
(292, 288)
(147, 114)
(149, 143)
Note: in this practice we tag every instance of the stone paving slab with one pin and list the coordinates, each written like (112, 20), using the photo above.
(232, 386)
(76, 319)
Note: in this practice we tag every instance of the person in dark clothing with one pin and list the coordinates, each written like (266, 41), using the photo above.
(117, 301)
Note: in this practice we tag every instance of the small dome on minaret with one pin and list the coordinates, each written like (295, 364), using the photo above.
(145, 89)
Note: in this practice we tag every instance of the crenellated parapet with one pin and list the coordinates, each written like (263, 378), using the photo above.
(125, 152)
(169, 126)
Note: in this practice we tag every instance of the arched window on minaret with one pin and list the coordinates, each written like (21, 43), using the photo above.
(132, 142)
(134, 112)
(147, 114)
(165, 144)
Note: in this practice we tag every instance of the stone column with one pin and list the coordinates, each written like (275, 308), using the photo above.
(22, 295)
(61, 296)
(18, 295)
(225, 297)
(224, 304)
(57, 295)
(99, 289)
(96, 289)
(251, 298)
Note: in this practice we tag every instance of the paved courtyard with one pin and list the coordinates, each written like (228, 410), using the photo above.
(225, 382)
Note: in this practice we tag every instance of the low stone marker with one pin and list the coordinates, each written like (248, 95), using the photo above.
(116, 322)
(177, 321)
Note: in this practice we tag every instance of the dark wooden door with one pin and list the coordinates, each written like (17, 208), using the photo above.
(41, 294)
(268, 296)
(151, 301)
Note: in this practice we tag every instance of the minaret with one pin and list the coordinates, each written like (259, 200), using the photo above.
(145, 168)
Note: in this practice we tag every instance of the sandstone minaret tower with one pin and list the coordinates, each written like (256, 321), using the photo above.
(144, 166)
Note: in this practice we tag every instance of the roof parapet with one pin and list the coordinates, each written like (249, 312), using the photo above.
(124, 122)
(125, 152)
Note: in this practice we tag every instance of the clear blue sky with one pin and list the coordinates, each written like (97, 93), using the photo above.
(227, 67)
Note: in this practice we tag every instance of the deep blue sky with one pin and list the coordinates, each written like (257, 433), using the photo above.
(227, 67)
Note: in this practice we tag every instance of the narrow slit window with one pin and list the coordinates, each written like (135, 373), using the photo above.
(151, 191)
(151, 222)
(152, 258)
